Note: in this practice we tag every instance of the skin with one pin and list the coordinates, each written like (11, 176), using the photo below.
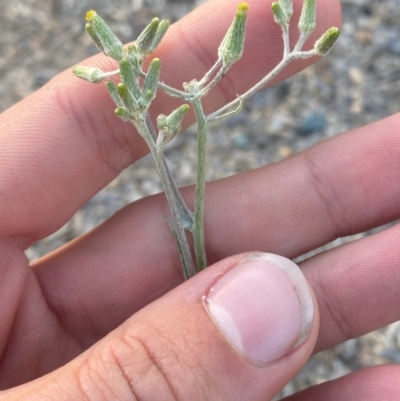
(81, 323)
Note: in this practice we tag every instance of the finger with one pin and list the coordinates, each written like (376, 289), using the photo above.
(371, 384)
(239, 330)
(288, 208)
(357, 286)
(63, 144)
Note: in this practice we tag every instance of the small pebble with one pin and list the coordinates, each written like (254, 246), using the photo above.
(285, 151)
(312, 122)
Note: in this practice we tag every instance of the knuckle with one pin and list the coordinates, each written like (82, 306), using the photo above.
(143, 364)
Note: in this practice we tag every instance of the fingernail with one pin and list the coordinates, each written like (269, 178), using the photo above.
(263, 307)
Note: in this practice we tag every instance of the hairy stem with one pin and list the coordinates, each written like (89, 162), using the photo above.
(198, 232)
(221, 73)
(208, 75)
(286, 41)
(169, 90)
(186, 214)
(177, 225)
(284, 62)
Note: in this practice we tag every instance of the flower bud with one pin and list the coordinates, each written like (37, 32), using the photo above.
(161, 31)
(113, 91)
(170, 126)
(326, 42)
(128, 77)
(122, 114)
(102, 36)
(145, 39)
(308, 17)
(95, 39)
(129, 103)
(287, 7)
(146, 99)
(280, 16)
(231, 48)
(136, 59)
(90, 74)
(151, 82)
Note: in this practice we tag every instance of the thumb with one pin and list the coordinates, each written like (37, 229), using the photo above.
(240, 330)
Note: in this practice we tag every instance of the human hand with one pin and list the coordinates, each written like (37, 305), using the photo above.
(66, 309)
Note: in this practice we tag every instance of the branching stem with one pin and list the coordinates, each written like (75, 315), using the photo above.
(220, 74)
(169, 90)
(177, 226)
(186, 214)
(211, 72)
(271, 75)
(134, 98)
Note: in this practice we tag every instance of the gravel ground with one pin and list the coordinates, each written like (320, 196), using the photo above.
(358, 83)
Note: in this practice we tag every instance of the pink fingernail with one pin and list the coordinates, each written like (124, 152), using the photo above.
(263, 307)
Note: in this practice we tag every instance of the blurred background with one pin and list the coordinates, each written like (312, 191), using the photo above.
(356, 84)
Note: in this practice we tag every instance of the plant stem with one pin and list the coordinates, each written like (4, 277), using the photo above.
(210, 72)
(186, 214)
(198, 232)
(286, 41)
(169, 90)
(177, 226)
(221, 73)
(295, 54)
(301, 42)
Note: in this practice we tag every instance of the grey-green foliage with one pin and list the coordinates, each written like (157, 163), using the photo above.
(137, 89)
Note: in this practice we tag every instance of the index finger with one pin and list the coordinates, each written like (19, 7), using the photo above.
(63, 144)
